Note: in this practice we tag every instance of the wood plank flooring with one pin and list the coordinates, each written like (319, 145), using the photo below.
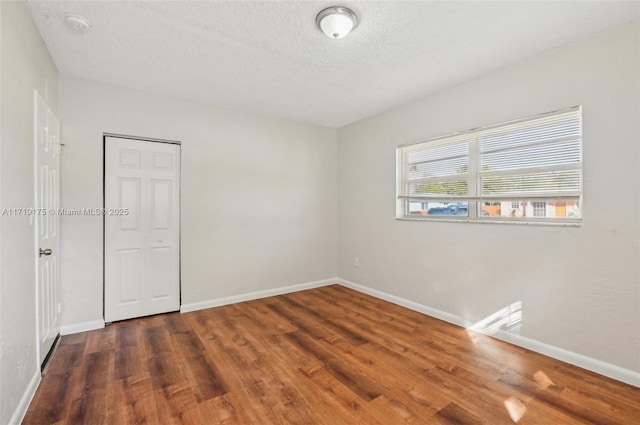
(323, 356)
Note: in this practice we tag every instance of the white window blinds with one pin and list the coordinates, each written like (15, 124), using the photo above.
(539, 158)
(491, 169)
(440, 169)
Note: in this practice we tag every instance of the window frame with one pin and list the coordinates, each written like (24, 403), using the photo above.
(474, 199)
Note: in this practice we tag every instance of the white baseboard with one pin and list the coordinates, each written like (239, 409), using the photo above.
(201, 305)
(589, 363)
(81, 327)
(99, 324)
(411, 305)
(23, 405)
(598, 366)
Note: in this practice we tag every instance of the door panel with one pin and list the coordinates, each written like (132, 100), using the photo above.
(129, 197)
(161, 161)
(160, 271)
(52, 225)
(161, 204)
(47, 202)
(142, 247)
(42, 194)
(163, 240)
(130, 159)
(129, 276)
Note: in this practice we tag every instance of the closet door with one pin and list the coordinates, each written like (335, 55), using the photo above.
(142, 228)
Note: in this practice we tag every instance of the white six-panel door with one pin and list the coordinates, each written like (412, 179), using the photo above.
(47, 201)
(142, 228)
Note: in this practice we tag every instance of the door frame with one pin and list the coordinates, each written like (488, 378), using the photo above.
(104, 204)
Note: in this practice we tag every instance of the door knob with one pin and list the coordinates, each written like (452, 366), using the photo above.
(47, 251)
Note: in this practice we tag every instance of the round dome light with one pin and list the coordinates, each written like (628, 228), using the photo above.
(337, 21)
(77, 23)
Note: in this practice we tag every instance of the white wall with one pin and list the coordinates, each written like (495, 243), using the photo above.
(25, 65)
(259, 194)
(579, 287)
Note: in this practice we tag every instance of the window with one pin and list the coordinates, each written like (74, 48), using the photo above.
(540, 209)
(526, 170)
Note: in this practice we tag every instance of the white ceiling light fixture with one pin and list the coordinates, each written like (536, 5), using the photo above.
(337, 21)
(76, 22)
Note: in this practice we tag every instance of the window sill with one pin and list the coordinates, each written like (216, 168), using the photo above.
(511, 222)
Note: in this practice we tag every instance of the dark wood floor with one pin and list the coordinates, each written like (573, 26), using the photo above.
(323, 356)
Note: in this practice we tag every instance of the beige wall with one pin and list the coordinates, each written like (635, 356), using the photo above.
(579, 287)
(258, 201)
(25, 65)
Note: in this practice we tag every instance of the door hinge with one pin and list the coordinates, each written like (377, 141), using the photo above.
(59, 308)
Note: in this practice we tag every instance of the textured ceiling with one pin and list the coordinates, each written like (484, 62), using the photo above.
(269, 57)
